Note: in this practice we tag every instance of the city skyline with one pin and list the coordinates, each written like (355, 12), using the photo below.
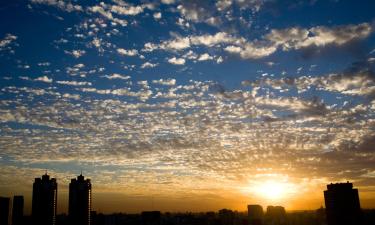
(339, 198)
(188, 105)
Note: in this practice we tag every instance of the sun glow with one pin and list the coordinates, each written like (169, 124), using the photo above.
(274, 190)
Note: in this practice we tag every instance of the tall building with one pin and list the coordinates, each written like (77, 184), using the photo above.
(255, 214)
(80, 201)
(17, 211)
(44, 201)
(4, 210)
(342, 204)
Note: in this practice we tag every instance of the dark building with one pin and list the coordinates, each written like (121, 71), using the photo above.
(44, 201)
(276, 215)
(226, 216)
(17, 211)
(80, 201)
(4, 210)
(342, 204)
(255, 214)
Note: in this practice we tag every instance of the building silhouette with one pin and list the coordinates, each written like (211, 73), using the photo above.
(255, 214)
(4, 210)
(80, 201)
(17, 211)
(342, 204)
(226, 216)
(275, 215)
(44, 201)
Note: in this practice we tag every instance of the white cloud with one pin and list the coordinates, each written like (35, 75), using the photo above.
(131, 52)
(127, 10)
(168, 1)
(149, 47)
(211, 40)
(320, 36)
(190, 55)
(61, 4)
(106, 13)
(251, 51)
(219, 60)
(143, 95)
(74, 83)
(286, 39)
(148, 65)
(205, 57)
(72, 96)
(44, 79)
(117, 76)
(176, 61)
(176, 44)
(76, 53)
(157, 15)
(9, 38)
(168, 82)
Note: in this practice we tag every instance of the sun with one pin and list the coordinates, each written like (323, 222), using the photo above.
(273, 190)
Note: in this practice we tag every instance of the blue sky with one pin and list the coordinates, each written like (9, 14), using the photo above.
(194, 98)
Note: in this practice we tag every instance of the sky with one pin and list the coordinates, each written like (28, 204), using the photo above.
(193, 105)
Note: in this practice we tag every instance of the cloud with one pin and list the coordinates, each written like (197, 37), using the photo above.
(195, 126)
(176, 61)
(76, 53)
(284, 39)
(251, 51)
(168, 82)
(131, 52)
(359, 82)
(157, 15)
(74, 83)
(205, 57)
(211, 40)
(106, 13)
(72, 96)
(8, 39)
(168, 1)
(143, 95)
(176, 44)
(148, 65)
(117, 76)
(61, 4)
(181, 43)
(320, 36)
(44, 79)
(127, 10)
(254, 5)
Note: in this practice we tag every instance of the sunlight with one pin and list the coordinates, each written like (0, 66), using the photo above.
(273, 190)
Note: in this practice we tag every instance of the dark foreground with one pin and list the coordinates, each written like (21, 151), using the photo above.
(223, 217)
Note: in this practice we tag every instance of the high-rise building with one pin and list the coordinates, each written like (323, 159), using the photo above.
(44, 201)
(17, 211)
(255, 214)
(4, 210)
(80, 201)
(342, 204)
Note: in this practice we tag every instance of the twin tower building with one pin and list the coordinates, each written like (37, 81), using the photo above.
(44, 201)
